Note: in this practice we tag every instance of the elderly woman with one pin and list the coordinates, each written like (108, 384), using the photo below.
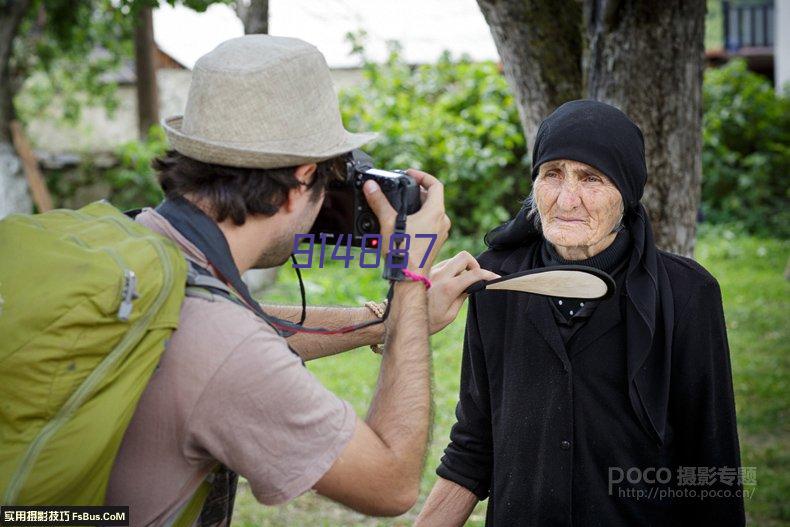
(576, 412)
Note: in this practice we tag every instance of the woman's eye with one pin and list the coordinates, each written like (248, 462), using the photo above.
(593, 179)
(552, 174)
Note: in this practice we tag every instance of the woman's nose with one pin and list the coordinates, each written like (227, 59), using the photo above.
(569, 196)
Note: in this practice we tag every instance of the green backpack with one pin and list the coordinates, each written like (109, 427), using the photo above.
(88, 299)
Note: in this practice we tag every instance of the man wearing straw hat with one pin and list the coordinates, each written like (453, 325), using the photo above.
(260, 137)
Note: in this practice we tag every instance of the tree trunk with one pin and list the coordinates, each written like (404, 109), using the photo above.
(13, 189)
(254, 15)
(539, 44)
(646, 57)
(147, 99)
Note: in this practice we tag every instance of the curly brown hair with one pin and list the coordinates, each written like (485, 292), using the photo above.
(235, 193)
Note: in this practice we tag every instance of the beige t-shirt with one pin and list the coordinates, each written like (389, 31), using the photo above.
(227, 388)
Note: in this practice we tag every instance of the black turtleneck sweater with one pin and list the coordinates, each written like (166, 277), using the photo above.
(571, 313)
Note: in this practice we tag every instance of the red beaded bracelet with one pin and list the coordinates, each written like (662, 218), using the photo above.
(417, 278)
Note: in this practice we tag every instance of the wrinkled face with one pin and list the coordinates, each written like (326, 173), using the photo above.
(578, 205)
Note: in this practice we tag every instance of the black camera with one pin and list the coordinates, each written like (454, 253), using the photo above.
(346, 211)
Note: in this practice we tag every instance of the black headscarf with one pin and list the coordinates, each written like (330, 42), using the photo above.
(603, 137)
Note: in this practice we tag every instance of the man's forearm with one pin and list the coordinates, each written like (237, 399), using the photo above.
(400, 412)
(311, 346)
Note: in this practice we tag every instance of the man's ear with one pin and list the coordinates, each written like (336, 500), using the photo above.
(304, 174)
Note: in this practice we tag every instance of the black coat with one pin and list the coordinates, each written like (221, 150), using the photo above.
(541, 428)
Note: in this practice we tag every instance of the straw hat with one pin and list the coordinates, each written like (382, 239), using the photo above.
(259, 101)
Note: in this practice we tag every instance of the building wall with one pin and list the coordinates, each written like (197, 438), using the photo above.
(346, 77)
(98, 132)
(782, 43)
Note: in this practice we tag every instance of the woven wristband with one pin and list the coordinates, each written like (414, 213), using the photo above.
(417, 278)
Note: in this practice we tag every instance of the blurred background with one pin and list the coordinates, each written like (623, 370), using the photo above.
(455, 88)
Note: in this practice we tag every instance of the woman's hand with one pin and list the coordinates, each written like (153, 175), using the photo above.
(449, 278)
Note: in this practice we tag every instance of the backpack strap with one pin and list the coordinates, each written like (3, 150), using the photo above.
(202, 284)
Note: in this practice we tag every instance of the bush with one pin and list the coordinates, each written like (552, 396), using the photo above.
(746, 151)
(133, 181)
(128, 184)
(454, 119)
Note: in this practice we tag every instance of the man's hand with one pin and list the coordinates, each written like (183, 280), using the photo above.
(449, 279)
(430, 219)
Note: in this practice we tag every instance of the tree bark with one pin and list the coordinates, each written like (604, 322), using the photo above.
(540, 46)
(254, 15)
(13, 190)
(147, 97)
(646, 57)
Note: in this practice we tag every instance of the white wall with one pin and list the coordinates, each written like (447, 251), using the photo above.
(782, 43)
(97, 132)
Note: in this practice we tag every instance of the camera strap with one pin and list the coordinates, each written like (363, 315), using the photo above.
(204, 233)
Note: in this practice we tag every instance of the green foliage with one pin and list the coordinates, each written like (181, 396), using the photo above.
(746, 151)
(454, 119)
(67, 48)
(714, 21)
(129, 184)
(133, 182)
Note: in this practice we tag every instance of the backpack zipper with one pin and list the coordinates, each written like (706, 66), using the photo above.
(129, 293)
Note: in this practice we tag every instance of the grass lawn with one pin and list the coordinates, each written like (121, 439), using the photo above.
(756, 294)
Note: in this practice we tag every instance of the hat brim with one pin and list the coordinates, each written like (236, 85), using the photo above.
(262, 155)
